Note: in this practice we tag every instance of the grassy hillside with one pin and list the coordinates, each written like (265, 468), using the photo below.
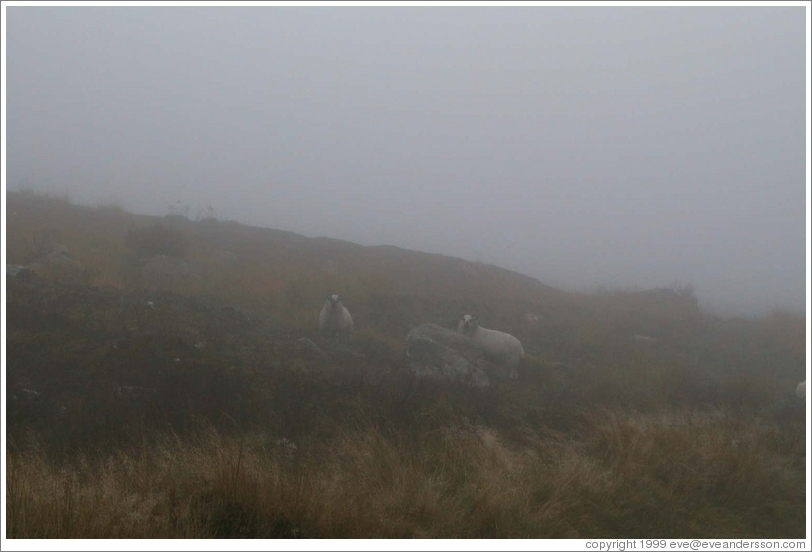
(158, 386)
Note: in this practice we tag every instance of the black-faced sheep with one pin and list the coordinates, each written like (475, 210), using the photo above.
(334, 318)
(499, 347)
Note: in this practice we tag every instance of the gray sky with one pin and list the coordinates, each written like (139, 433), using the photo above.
(583, 146)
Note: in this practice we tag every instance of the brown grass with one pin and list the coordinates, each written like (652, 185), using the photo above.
(673, 474)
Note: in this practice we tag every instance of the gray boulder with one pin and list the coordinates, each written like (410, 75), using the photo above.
(439, 353)
(59, 264)
(17, 271)
(308, 348)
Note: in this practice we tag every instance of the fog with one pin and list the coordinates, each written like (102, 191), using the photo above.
(616, 147)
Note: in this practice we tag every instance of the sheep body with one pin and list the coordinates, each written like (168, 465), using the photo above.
(334, 317)
(502, 348)
(800, 391)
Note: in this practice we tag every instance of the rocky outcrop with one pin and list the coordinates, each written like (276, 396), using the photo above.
(309, 349)
(60, 264)
(439, 353)
(17, 271)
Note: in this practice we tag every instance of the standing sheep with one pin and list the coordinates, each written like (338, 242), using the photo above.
(334, 318)
(501, 348)
(800, 391)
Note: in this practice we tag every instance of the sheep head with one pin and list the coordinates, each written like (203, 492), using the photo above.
(467, 324)
(334, 301)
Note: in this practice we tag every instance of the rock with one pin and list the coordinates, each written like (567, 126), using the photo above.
(30, 393)
(436, 352)
(60, 265)
(309, 348)
(17, 271)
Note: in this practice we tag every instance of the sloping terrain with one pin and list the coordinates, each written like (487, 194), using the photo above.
(123, 329)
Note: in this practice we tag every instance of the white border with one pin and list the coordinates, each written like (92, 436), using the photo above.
(375, 544)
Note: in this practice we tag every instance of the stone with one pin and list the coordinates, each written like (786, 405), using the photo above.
(436, 352)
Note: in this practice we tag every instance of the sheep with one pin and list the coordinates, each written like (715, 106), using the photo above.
(501, 348)
(334, 318)
(800, 391)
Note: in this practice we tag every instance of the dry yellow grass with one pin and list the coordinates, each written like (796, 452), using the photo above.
(667, 475)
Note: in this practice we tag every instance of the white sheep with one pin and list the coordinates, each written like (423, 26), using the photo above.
(334, 317)
(800, 391)
(500, 347)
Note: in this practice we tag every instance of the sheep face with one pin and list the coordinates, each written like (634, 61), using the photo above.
(333, 304)
(468, 325)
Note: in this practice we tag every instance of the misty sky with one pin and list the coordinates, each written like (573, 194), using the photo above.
(583, 146)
